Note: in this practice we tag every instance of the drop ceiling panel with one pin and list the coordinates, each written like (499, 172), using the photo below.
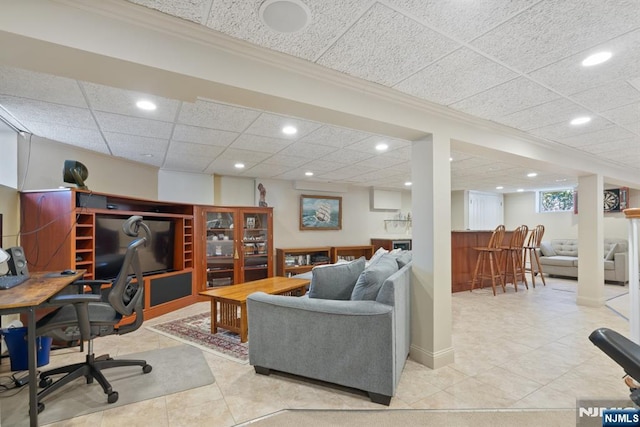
(202, 135)
(136, 147)
(455, 77)
(191, 10)
(625, 114)
(284, 160)
(207, 152)
(564, 129)
(240, 19)
(27, 111)
(499, 101)
(186, 163)
(400, 47)
(369, 144)
(133, 125)
(463, 20)
(264, 170)
(604, 136)
(569, 76)
(344, 172)
(225, 167)
(260, 143)
(558, 111)
(234, 155)
(119, 101)
(38, 86)
(271, 125)
(309, 151)
(319, 166)
(89, 139)
(347, 156)
(334, 136)
(381, 161)
(622, 144)
(216, 116)
(608, 96)
(591, 22)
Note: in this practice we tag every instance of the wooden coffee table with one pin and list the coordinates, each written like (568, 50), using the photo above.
(233, 301)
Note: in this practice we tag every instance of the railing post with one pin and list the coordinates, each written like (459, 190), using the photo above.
(633, 215)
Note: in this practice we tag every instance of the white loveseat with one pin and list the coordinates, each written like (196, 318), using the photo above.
(559, 257)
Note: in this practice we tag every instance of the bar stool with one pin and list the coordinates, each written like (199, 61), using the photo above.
(532, 247)
(513, 257)
(491, 254)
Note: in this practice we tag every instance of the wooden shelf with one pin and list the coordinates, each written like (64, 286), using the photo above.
(306, 255)
(351, 253)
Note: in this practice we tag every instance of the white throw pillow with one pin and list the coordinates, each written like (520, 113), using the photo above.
(612, 251)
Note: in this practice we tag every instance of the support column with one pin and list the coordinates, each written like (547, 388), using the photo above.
(590, 241)
(431, 327)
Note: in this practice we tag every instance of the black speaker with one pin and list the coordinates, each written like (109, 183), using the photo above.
(17, 262)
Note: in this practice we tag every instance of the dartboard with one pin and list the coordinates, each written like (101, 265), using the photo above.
(611, 200)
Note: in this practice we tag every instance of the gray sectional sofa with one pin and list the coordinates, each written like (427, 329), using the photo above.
(328, 335)
(559, 257)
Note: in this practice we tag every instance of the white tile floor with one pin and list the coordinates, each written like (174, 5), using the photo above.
(516, 350)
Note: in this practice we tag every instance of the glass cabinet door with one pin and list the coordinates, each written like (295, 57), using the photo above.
(221, 250)
(255, 246)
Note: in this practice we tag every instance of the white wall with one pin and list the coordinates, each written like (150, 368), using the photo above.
(234, 191)
(459, 210)
(520, 208)
(183, 187)
(9, 157)
(359, 224)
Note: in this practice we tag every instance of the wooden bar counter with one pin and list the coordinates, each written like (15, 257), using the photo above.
(464, 257)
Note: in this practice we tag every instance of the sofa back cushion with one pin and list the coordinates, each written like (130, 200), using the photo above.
(547, 249)
(371, 279)
(565, 247)
(335, 281)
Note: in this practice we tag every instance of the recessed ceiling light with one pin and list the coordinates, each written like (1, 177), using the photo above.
(289, 130)
(580, 120)
(596, 58)
(499, 187)
(309, 173)
(532, 174)
(520, 190)
(145, 104)
(239, 165)
(451, 159)
(561, 180)
(147, 155)
(382, 147)
(408, 183)
(285, 16)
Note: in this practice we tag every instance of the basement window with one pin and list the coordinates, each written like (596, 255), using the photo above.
(555, 200)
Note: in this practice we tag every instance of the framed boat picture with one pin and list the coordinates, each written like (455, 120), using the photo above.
(320, 212)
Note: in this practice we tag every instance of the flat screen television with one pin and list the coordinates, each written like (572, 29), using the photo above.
(111, 245)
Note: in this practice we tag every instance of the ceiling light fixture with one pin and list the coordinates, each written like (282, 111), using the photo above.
(596, 58)
(499, 187)
(520, 190)
(309, 173)
(408, 183)
(382, 147)
(289, 130)
(580, 120)
(451, 159)
(147, 155)
(285, 16)
(239, 165)
(532, 174)
(146, 105)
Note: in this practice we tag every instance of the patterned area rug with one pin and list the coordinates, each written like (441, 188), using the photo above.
(196, 330)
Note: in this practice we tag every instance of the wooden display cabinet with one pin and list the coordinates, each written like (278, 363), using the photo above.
(294, 261)
(58, 231)
(350, 253)
(235, 245)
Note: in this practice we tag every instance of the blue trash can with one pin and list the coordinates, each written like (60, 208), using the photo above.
(16, 339)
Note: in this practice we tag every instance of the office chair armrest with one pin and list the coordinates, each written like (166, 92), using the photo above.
(95, 285)
(75, 299)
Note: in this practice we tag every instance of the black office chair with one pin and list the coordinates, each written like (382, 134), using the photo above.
(623, 351)
(84, 316)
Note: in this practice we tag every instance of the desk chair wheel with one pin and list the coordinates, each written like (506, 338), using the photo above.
(45, 382)
(112, 397)
(147, 368)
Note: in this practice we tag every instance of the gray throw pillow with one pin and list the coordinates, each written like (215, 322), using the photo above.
(547, 249)
(403, 258)
(612, 251)
(335, 281)
(371, 279)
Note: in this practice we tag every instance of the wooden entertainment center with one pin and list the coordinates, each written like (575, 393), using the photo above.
(58, 232)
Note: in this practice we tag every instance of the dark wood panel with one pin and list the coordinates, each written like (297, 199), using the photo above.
(464, 257)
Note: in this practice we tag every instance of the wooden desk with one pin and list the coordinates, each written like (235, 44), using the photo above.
(233, 301)
(25, 298)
